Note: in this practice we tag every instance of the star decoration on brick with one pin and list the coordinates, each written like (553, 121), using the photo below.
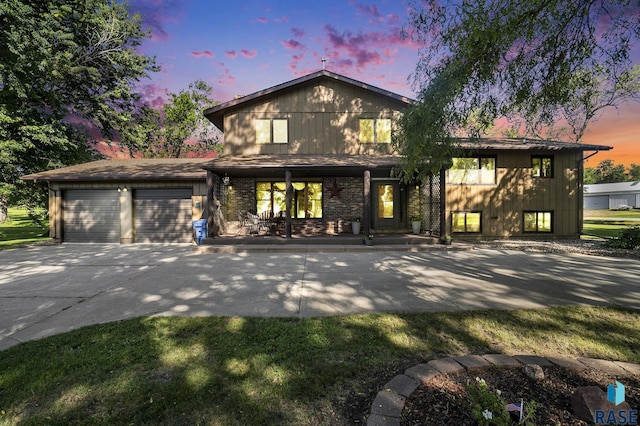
(335, 190)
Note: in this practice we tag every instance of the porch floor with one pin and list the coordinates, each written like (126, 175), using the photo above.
(323, 243)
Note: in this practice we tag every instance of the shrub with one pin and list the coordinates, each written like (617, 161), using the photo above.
(629, 239)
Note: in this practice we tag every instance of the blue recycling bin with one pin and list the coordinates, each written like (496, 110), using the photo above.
(200, 226)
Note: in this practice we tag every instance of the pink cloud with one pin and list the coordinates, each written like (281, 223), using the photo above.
(293, 64)
(262, 20)
(226, 79)
(249, 54)
(292, 44)
(298, 32)
(364, 49)
(367, 9)
(203, 54)
(231, 54)
(359, 46)
(153, 95)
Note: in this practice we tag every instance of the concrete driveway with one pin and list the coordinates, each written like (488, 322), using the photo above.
(51, 289)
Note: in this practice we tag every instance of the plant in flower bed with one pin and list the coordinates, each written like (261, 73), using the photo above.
(447, 399)
(488, 407)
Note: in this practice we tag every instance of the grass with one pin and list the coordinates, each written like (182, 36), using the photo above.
(612, 214)
(261, 371)
(609, 223)
(19, 230)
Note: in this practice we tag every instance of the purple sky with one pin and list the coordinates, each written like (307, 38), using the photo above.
(245, 46)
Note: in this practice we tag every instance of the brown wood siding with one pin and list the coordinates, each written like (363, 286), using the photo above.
(323, 119)
(502, 205)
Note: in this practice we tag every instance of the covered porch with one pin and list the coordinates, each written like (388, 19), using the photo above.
(318, 196)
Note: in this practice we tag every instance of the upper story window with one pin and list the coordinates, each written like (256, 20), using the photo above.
(271, 130)
(375, 130)
(472, 171)
(542, 166)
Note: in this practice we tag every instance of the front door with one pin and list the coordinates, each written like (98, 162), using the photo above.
(387, 202)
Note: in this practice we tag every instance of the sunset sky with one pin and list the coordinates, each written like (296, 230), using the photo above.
(245, 46)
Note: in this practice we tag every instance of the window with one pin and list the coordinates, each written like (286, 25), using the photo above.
(542, 167)
(376, 130)
(466, 222)
(306, 200)
(538, 222)
(472, 171)
(271, 130)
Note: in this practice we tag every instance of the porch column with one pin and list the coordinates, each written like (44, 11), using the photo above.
(366, 216)
(443, 203)
(212, 181)
(289, 195)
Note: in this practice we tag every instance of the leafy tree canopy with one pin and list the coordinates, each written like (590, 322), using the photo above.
(64, 65)
(179, 130)
(605, 172)
(536, 62)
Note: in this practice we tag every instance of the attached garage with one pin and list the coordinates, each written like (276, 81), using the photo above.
(91, 216)
(125, 201)
(163, 215)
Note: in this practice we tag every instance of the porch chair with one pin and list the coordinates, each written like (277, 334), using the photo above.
(253, 224)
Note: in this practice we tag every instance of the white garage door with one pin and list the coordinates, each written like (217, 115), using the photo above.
(91, 216)
(163, 215)
(596, 202)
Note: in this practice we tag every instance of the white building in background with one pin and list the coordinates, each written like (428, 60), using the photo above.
(615, 196)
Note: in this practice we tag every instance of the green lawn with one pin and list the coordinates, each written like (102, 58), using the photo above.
(19, 230)
(261, 371)
(609, 223)
(612, 214)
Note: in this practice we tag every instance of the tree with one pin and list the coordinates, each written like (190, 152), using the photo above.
(179, 130)
(64, 65)
(634, 171)
(605, 172)
(590, 176)
(541, 63)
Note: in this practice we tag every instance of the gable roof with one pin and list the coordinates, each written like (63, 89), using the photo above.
(130, 169)
(216, 113)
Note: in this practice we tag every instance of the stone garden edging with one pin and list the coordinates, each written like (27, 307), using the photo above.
(387, 407)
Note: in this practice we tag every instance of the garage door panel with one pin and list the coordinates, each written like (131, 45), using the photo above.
(163, 215)
(91, 216)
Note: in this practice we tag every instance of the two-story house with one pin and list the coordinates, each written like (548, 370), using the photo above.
(321, 145)
(315, 153)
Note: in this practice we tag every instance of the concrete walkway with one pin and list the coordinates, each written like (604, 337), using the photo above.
(52, 289)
